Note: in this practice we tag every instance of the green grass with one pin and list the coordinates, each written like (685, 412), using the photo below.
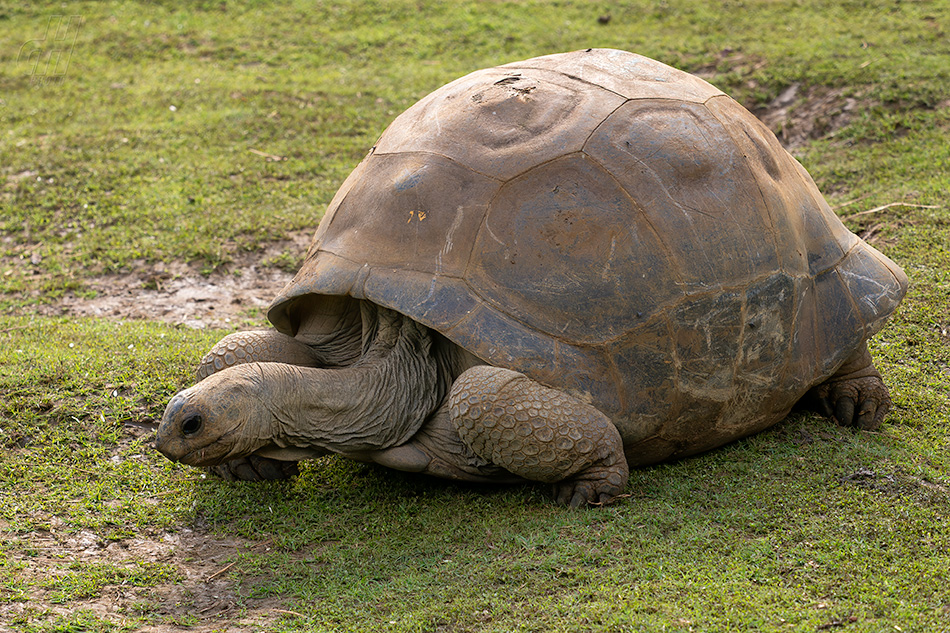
(802, 527)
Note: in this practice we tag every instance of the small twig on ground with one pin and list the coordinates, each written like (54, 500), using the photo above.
(272, 157)
(871, 232)
(888, 206)
(286, 612)
(15, 327)
(609, 501)
(850, 202)
(220, 571)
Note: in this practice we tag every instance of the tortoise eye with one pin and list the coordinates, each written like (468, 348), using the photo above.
(192, 425)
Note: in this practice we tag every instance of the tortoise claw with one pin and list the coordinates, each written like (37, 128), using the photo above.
(866, 414)
(254, 468)
(858, 402)
(595, 487)
(844, 411)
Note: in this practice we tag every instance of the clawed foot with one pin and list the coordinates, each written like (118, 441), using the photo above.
(858, 402)
(597, 485)
(855, 396)
(254, 468)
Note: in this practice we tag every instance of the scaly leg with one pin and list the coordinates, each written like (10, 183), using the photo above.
(539, 433)
(256, 346)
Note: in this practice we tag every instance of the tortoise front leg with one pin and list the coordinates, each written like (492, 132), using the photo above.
(540, 434)
(257, 346)
(856, 395)
(249, 347)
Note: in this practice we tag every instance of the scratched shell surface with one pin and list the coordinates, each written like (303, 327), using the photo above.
(612, 227)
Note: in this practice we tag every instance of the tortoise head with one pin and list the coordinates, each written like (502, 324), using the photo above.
(221, 418)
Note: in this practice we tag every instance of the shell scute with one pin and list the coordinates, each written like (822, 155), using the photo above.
(680, 165)
(565, 236)
(431, 298)
(707, 330)
(873, 293)
(764, 351)
(501, 123)
(645, 362)
(836, 307)
(416, 211)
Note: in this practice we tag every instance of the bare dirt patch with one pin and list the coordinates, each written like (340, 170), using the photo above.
(798, 115)
(201, 598)
(179, 293)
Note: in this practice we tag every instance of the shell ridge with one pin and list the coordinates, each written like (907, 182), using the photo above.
(667, 251)
(837, 262)
(421, 152)
(599, 125)
(763, 199)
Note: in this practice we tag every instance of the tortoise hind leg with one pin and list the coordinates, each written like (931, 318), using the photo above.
(856, 395)
(539, 433)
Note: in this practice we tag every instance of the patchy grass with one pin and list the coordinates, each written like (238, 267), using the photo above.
(201, 131)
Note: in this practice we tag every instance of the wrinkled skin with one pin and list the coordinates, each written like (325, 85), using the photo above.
(855, 396)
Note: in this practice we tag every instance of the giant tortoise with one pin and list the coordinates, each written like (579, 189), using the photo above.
(548, 271)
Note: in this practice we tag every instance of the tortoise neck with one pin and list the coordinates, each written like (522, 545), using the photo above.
(378, 402)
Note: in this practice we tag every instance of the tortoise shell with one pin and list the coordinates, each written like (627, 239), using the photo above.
(613, 227)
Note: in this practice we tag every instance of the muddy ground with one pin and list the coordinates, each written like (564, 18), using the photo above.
(180, 294)
(205, 600)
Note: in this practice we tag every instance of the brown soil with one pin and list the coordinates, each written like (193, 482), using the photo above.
(798, 116)
(179, 293)
(203, 598)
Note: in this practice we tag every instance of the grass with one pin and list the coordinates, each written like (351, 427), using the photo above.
(805, 527)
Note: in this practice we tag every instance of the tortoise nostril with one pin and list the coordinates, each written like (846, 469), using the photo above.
(192, 425)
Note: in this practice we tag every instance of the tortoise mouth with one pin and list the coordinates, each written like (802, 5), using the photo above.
(211, 453)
